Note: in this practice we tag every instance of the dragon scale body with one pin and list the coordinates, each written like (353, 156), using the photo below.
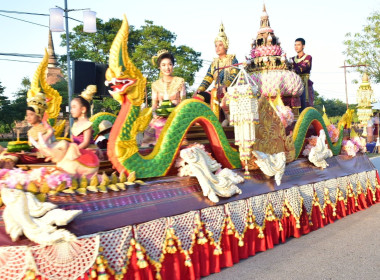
(159, 161)
(311, 116)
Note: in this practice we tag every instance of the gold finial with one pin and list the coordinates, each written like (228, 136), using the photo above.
(159, 53)
(38, 103)
(365, 77)
(222, 37)
(89, 92)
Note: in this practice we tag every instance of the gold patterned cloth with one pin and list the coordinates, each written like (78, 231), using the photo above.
(78, 128)
(174, 91)
(35, 130)
(226, 76)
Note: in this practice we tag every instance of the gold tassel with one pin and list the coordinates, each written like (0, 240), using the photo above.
(261, 234)
(188, 261)
(230, 230)
(298, 223)
(201, 237)
(141, 262)
(94, 275)
(241, 242)
(280, 226)
(170, 245)
(218, 250)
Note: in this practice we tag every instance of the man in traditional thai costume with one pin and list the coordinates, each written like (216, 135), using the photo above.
(302, 66)
(222, 78)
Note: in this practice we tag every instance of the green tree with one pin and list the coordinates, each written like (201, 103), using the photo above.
(19, 104)
(5, 112)
(107, 104)
(364, 47)
(143, 43)
(334, 107)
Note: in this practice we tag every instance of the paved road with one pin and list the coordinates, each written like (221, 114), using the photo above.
(346, 249)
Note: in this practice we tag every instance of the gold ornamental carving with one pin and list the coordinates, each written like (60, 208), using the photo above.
(271, 137)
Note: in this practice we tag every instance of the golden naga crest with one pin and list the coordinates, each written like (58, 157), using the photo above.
(52, 96)
(122, 75)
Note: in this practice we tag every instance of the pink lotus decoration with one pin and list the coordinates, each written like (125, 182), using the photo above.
(266, 51)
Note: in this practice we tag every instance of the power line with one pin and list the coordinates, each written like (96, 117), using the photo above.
(22, 13)
(19, 60)
(23, 55)
(34, 14)
(24, 20)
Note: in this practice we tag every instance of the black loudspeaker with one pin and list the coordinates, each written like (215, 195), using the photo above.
(89, 73)
(84, 74)
(100, 79)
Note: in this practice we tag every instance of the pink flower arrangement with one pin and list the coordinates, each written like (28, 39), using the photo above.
(14, 177)
(266, 51)
(349, 148)
(285, 114)
(312, 142)
(361, 143)
(55, 179)
(333, 133)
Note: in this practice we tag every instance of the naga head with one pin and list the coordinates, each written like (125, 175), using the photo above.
(39, 83)
(122, 75)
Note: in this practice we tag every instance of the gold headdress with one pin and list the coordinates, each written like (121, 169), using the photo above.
(222, 37)
(89, 92)
(155, 58)
(38, 103)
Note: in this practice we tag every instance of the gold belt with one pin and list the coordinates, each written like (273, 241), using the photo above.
(305, 79)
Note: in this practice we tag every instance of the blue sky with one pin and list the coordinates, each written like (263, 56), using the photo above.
(322, 23)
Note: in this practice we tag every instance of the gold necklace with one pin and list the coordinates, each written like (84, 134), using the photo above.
(298, 60)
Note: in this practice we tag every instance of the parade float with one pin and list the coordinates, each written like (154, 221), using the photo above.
(146, 222)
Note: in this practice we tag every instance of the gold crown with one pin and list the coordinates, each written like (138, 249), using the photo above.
(89, 92)
(159, 53)
(38, 103)
(222, 37)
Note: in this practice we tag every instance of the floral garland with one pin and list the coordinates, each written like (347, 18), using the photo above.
(354, 145)
(285, 114)
(312, 142)
(333, 133)
(51, 181)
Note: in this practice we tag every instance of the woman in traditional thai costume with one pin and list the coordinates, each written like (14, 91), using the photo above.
(81, 131)
(36, 107)
(166, 88)
(35, 110)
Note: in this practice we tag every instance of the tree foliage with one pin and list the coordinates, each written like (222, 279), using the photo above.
(334, 107)
(143, 44)
(364, 47)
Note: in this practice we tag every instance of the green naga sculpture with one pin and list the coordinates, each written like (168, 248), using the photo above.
(128, 88)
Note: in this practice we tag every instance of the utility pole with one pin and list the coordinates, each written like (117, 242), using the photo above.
(345, 76)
